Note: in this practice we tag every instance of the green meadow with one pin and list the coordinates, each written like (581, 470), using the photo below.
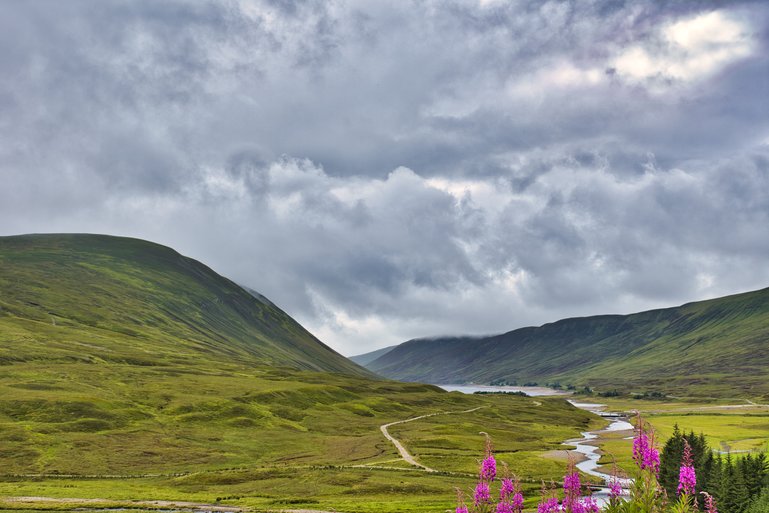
(131, 373)
(261, 439)
(729, 425)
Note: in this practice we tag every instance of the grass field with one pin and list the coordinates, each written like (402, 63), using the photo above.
(263, 442)
(729, 425)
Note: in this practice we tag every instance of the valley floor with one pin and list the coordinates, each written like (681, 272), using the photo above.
(409, 458)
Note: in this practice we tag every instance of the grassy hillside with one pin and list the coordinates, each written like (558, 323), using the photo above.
(130, 372)
(712, 348)
(113, 299)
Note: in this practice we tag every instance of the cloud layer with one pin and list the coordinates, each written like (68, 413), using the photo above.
(390, 171)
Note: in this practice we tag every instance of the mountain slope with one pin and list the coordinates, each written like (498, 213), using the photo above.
(366, 358)
(715, 347)
(117, 299)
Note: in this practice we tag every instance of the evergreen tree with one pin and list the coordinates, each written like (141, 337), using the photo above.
(741, 494)
(753, 472)
(715, 479)
(670, 461)
(704, 476)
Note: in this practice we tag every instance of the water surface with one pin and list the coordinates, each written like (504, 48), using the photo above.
(530, 391)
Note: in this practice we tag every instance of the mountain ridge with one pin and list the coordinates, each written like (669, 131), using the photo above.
(713, 346)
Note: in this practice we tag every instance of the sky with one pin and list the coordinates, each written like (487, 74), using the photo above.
(390, 170)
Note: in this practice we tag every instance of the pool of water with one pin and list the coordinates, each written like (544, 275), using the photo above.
(530, 391)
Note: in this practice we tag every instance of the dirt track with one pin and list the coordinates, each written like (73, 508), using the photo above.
(407, 457)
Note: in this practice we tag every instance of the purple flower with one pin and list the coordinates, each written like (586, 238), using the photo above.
(489, 468)
(507, 489)
(549, 506)
(644, 453)
(482, 494)
(461, 509)
(571, 484)
(571, 489)
(589, 505)
(710, 504)
(504, 507)
(687, 480)
(615, 488)
(517, 502)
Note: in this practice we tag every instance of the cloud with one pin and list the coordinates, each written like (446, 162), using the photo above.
(687, 50)
(391, 171)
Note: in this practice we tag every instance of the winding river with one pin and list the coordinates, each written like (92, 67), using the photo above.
(583, 446)
(589, 465)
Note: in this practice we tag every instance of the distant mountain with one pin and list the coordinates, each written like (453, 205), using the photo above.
(366, 358)
(117, 299)
(718, 347)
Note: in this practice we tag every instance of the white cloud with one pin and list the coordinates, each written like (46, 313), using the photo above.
(688, 50)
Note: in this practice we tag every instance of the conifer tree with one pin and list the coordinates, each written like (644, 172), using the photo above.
(670, 459)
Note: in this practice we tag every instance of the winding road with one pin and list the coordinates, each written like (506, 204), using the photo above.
(407, 457)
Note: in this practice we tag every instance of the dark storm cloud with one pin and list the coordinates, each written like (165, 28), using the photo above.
(385, 171)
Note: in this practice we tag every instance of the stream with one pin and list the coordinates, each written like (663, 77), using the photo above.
(581, 445)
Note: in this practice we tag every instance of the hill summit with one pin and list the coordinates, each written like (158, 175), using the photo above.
(112, 299)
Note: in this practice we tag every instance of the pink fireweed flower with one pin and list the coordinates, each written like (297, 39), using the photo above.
(507, 489)
(549, 506)
(504, 507)
(615, 488)
(586, 505)
(489, 464)
(652, 460)
(710, 503)
(510, 491)
(517, 502)
(489, 468)
(482, 494)
(571, 487)
(461, 509)
(687, 478)
(644, 453)
(571, 484)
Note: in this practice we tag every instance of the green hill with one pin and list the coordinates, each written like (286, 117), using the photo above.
(114, 299)
(128, 371)
(718, 347)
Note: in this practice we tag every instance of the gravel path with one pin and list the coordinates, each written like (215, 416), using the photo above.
(407, 457)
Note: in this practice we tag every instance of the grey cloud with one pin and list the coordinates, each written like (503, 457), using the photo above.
(267, 139)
